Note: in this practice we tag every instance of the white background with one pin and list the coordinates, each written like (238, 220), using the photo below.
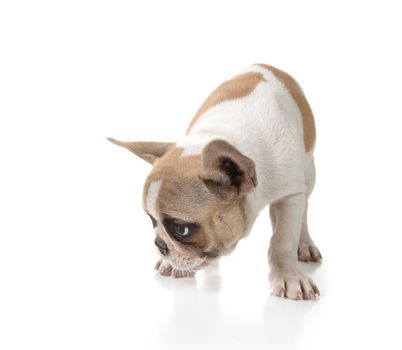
(76, 250)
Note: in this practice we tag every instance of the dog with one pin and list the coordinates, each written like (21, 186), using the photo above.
(249, 145)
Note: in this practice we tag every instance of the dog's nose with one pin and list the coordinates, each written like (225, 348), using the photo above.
(163, 248)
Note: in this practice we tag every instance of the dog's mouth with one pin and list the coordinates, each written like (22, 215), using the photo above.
(189, 264)
(195, 266)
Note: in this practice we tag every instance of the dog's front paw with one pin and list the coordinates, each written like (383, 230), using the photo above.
(165, 269)
(308, 252)
(293, 285)
(182, 273)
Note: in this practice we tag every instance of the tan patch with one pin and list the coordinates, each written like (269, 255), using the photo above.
(298, 95)
(184, 196)
(149, 151)
(237, 87)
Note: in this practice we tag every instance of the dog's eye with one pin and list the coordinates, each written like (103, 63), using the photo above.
(180, 230)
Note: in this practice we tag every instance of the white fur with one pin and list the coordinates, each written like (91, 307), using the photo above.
(152, 198)
(194, 144)
(267, 127)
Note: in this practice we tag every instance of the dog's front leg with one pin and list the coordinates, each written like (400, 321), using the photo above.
(285, 278)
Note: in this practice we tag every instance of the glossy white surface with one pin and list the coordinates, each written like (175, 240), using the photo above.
(76, 249)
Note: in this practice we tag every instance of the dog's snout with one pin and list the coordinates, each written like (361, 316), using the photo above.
(163, 248)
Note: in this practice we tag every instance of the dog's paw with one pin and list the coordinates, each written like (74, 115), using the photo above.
(308, 252)
(293, 285)
(165, 269)
(182, 274)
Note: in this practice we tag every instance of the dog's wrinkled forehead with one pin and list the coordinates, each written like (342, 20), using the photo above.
(174, 188)
(185, 196)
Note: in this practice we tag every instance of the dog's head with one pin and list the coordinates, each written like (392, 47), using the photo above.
(195, 202)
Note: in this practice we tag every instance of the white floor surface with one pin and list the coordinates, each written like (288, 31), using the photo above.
(76, 249)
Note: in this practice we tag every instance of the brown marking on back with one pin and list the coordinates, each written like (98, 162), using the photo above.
(239, 86)
(301, 101)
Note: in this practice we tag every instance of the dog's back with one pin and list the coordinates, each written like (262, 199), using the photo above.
(263, 112)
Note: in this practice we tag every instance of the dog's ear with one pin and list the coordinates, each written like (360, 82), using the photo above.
(226, 170)
(149, 151)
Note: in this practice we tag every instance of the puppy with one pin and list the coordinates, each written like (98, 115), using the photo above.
(250, 144)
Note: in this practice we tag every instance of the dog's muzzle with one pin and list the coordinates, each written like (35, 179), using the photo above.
(161, 245)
